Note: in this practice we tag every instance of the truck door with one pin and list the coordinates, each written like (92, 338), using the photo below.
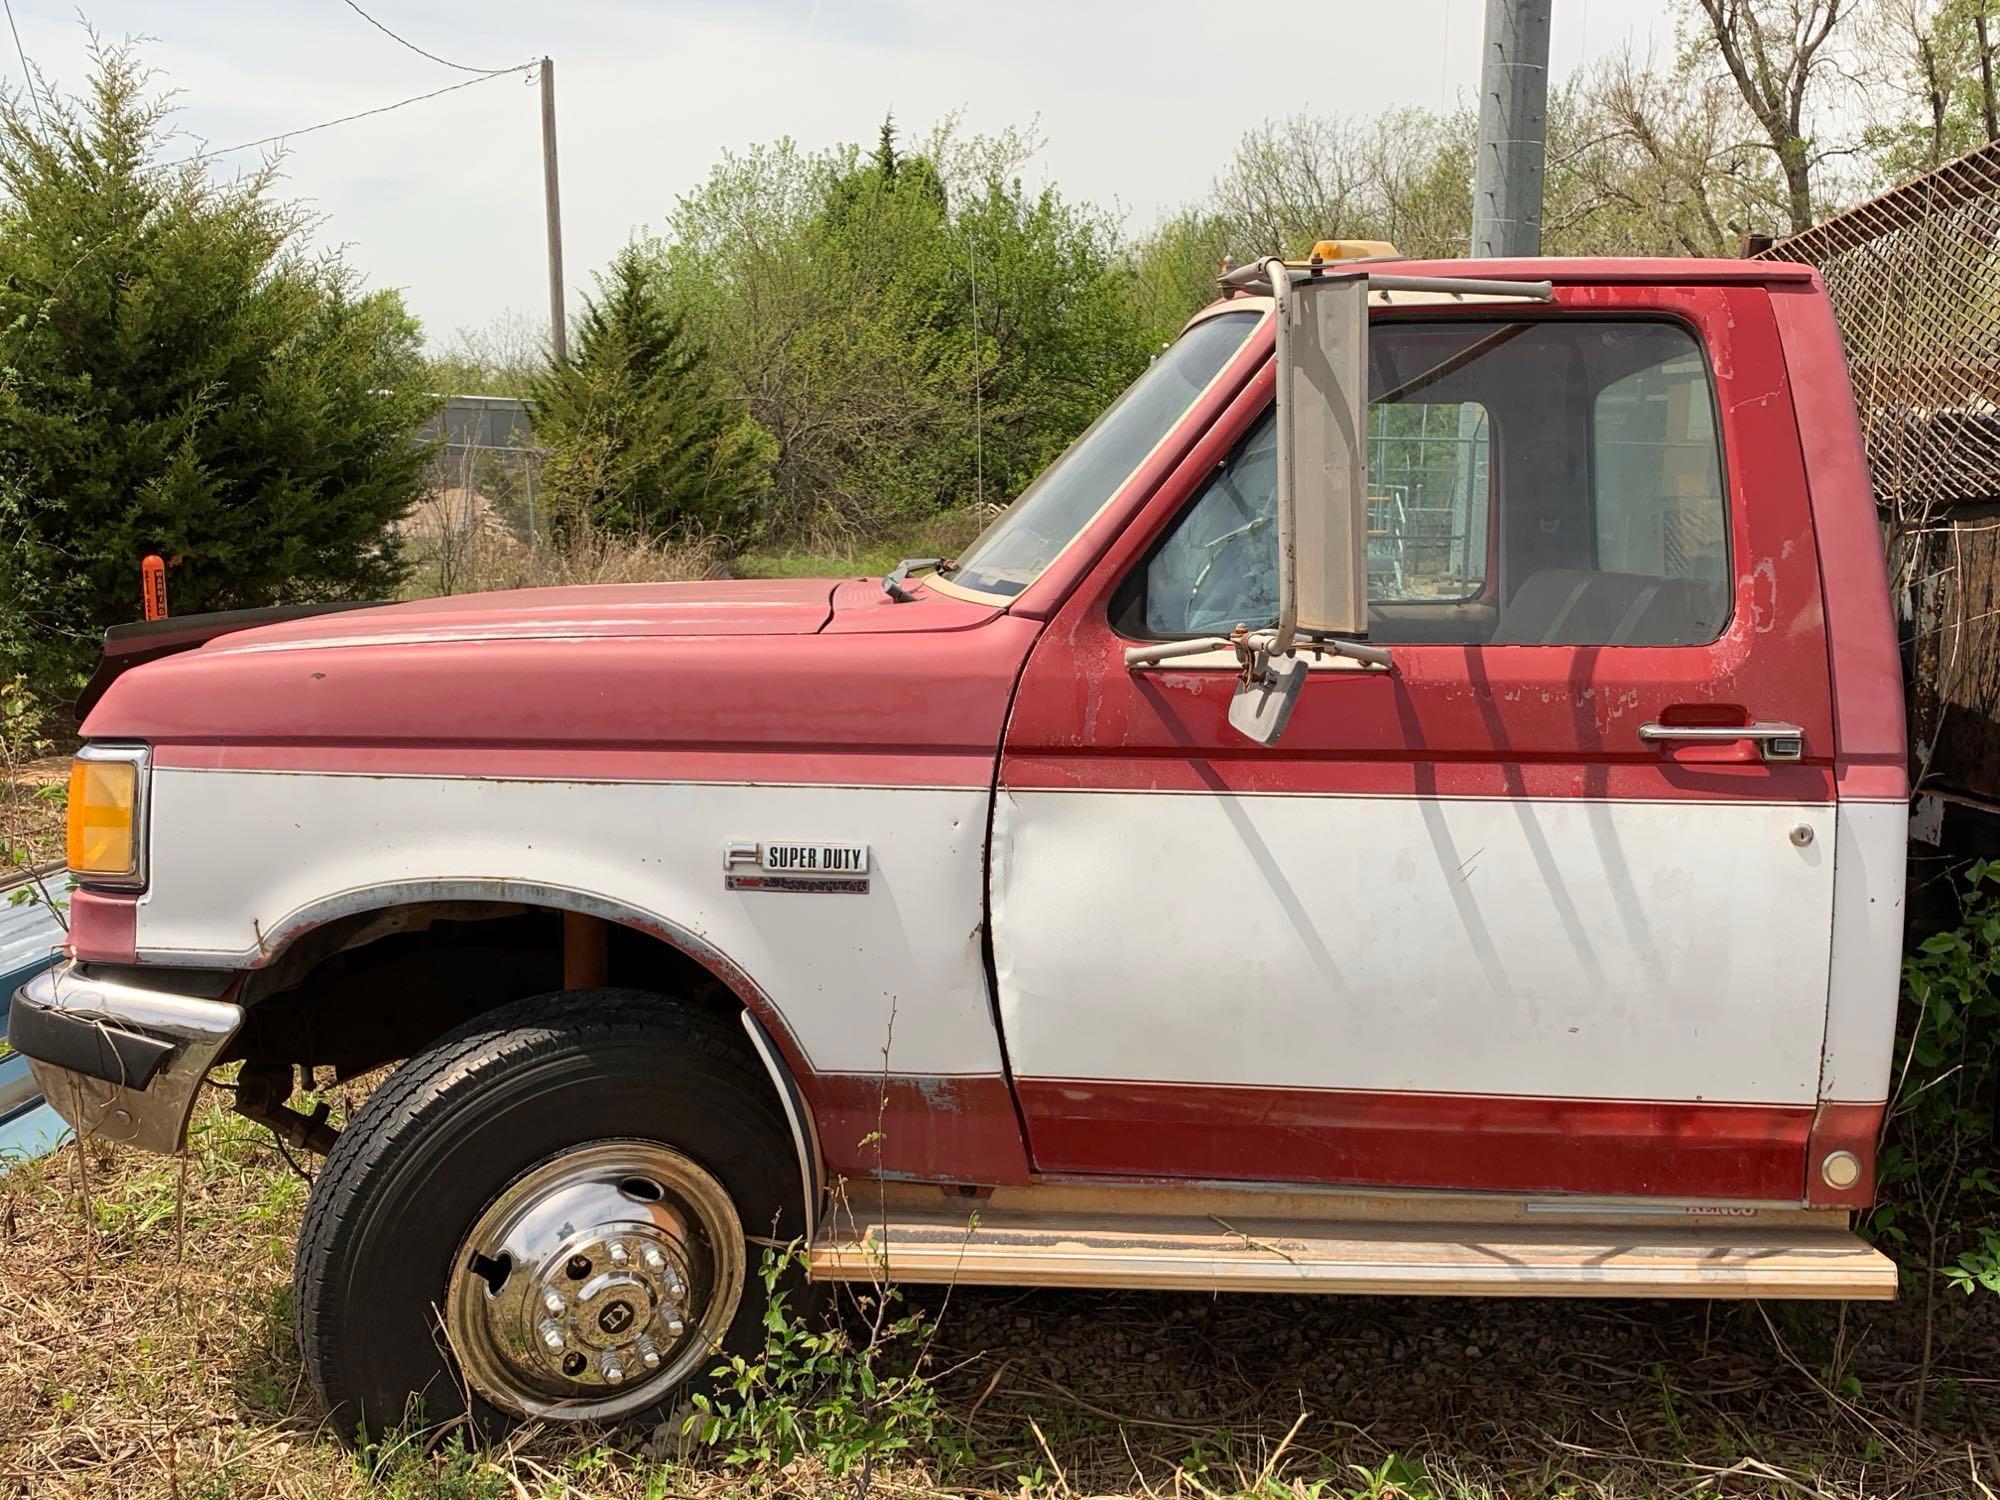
(1544, 908)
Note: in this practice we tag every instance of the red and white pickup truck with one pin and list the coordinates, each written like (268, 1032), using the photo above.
(1412, 801)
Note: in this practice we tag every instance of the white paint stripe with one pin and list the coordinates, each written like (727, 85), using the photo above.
(235, 853)
(1507, 947)
(1871, 858)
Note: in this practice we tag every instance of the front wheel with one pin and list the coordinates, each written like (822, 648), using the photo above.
(549, 1215)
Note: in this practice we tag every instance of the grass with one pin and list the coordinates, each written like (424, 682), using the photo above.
(146, 1350)
(822, 557)
(863, 562)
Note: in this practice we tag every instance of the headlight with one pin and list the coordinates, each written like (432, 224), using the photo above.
(107, 815)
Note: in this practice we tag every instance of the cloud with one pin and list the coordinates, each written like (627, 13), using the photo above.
(1139, 106)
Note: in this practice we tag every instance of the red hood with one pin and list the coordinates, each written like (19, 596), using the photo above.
(814, 662)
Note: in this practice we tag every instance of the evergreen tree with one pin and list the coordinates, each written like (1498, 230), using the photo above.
(886, 157)
(178, 375)
(637, 438)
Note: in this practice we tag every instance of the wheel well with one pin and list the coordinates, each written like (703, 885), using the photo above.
(377, 987)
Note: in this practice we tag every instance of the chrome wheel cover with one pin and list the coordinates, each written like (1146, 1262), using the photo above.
(595, 1282)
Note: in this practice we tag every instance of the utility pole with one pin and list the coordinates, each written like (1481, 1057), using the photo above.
(1513, 129)
(552, 199)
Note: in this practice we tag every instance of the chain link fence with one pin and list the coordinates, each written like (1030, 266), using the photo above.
(1914, 277)
(484, 505)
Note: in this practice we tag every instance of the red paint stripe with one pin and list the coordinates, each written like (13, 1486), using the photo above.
(1263, 773)
(103, 927)
(807, 766)
(958, 1129)
(1641, 1148)
(1843, 1127)
(1866, 782)
(1860, 620)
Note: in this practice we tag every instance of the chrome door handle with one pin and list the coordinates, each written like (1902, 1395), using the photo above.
(1774, 741)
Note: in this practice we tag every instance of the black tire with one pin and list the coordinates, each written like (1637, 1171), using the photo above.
(435, 1144)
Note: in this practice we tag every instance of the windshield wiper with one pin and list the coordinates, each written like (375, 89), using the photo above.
(900, 574)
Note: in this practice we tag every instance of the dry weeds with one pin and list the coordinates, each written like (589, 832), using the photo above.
(479, 561)
(148, 1352)
(31, 812)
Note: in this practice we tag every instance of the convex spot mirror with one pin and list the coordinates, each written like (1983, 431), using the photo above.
(1261, 708)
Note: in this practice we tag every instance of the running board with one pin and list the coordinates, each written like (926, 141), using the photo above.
(1712, 1258)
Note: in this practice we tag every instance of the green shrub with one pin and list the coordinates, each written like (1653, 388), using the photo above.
(1939, 1207)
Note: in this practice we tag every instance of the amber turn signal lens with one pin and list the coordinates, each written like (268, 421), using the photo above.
(103, 819)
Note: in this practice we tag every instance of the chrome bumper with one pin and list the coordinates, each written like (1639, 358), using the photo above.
(121, 1053)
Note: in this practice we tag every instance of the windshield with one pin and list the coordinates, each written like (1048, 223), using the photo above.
(1011, 553)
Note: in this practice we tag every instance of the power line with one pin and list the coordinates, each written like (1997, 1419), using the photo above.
(382, 109)
(406, 42)
(34, 93)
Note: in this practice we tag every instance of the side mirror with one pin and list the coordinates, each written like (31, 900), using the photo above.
(1261, 708)
(1322, 358)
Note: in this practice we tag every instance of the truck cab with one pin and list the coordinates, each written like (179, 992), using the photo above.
(1412, 801)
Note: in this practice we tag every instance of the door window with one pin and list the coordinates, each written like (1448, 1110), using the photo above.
(1529, 483)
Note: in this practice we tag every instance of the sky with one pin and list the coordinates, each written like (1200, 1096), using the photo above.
(1138, 106)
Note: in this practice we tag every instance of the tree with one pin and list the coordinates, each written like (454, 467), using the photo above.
(1776, 53)
(638, 439)
(1404, 176)
(1937, 60)
(1643, 162)
(1172, 271)
(917, 330)
(181, 377)
(500, 358)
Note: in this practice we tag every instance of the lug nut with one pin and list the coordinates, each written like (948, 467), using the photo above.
(675, 1326)
(649, 1354)
(616, 1252)
(653, 1259)
(551, 1335)
(613, 1371)
(552, 1302)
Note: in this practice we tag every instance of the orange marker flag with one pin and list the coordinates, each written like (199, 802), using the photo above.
(153, 576)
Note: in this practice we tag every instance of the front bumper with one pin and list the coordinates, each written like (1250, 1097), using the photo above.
(120, 1053)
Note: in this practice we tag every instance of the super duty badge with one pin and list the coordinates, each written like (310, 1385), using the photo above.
(807, 866)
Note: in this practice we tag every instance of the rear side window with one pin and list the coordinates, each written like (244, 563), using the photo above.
(1529, 483)
(1656, 474)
